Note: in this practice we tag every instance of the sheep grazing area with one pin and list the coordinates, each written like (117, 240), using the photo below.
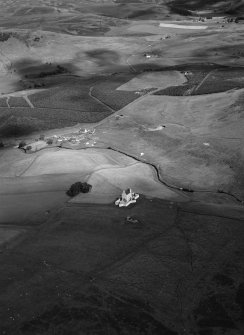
(117, 94)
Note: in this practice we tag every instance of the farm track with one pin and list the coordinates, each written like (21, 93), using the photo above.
(156, 168)
(99, 101)
(171, 186)
(27, 168)
(204, 79)
(180, 190)
(26, 98)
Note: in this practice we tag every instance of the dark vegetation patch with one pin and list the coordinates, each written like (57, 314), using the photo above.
(18, 102)
(207, 81)
(215, 6)
(95, 314)
(45, 71)
(30, 69)
(180, 10)
(233, 51)
(77, 188)
(4, 36)
(141, 13)
(130, 10)
(222, 80)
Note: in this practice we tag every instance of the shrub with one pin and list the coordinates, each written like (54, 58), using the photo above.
(29, 147)
(22, 144)
(1, 144)
(77, 188)
(49, 141)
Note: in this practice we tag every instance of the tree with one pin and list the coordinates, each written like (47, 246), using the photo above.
(29, 147)
(22, 144)
(49, 141)
(77, 188)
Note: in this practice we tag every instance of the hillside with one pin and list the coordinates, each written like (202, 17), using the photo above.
(139, 94)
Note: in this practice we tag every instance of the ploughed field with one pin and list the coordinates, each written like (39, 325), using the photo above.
(107, 92)
(59, 106)
(65, 100)
(207, 80)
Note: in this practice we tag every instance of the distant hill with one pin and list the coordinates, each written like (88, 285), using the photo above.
(224, 7)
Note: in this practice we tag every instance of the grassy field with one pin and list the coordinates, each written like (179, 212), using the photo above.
(108, 184)
(79, 265)
(153, 80)
(193, 140)
(89, 272)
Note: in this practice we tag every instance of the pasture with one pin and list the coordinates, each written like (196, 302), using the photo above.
(132, 96)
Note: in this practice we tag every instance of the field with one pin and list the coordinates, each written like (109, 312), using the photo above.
(121, 94)
(152, 80)
(109, 93)
(207, 82)
(23, 121)
(109, 183)
(102, 274)
(18, 102)
(3, 102)
(64, 105)
(196, 138)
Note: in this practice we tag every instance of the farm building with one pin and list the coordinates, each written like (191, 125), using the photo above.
(128, 197)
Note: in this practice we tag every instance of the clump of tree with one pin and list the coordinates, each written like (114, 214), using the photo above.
(4, 36)
(58, 69)
(77, 188)
(22, 144)
(49, 141)
(28, 148)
